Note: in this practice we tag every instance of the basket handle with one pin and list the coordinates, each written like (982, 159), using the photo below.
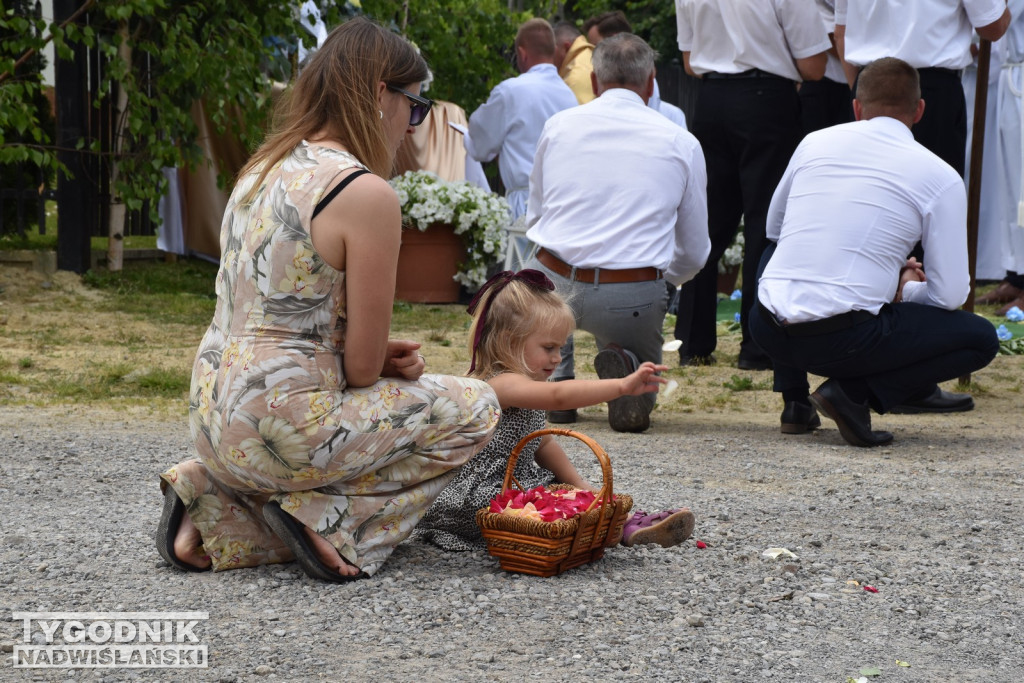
(604, 495)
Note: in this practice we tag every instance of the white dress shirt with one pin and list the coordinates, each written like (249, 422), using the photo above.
(923, 33)
(736, 36)
(666, 109)
(852, 204)
(509, 123)
(617, 185)
(833, 67)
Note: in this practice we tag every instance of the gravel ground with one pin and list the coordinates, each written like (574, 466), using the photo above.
(932, 522)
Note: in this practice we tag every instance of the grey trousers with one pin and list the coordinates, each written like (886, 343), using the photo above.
(629, 314)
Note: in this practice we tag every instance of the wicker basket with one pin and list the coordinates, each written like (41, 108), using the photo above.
(540, 548)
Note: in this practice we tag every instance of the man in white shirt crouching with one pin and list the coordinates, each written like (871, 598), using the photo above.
(618, 206)
(839, 298)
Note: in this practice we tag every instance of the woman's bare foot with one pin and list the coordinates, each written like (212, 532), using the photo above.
(188, 544)
(328, 554)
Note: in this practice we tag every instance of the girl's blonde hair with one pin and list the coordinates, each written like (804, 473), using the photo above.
(504, 318)
(336, 93)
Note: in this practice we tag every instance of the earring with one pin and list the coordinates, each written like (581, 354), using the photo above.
(381, 112)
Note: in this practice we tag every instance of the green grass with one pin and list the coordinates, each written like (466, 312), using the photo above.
(34, 240)
(104, 382)
(180, 292)
(441, 324)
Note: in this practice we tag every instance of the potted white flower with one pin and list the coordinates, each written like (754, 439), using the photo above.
(477, 217)
(730, 263)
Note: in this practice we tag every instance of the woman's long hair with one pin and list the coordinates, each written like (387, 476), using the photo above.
(337, 93)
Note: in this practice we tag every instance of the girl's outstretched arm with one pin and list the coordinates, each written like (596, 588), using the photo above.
(518, 391)
(551, 457)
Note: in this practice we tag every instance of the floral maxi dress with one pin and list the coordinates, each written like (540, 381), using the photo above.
(269, 409)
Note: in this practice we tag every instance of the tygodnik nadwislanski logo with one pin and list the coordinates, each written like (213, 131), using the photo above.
(96, 640)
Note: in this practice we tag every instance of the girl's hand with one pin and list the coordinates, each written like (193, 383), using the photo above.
(403, 360)
(644, 380)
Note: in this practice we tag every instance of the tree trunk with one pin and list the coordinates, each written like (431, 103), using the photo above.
(115, 233)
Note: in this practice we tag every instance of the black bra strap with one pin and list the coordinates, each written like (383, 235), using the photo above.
(320, 205)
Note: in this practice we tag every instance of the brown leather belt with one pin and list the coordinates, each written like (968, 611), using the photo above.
(600, 275)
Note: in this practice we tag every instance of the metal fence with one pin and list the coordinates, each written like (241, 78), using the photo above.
(92, 169)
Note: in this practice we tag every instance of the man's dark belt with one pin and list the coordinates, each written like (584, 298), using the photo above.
(749, 73)
(937, 70)
(601, 275)
(843, 321)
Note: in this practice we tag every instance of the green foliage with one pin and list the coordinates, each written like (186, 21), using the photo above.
(746, 383)
(468, 43)
(169, 54)
(1012, 347)
(166, 56)
(26, 121)
(652, 20)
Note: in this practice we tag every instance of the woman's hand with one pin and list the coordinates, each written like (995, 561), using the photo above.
(644, 380)
(403, 360)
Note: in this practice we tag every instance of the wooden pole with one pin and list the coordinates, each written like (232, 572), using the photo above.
(974, 184)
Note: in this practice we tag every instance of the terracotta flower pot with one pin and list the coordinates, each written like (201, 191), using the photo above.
(427, 263)
(727, 280)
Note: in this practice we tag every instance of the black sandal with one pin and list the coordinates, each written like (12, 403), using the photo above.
(292, 533)
(167, 531)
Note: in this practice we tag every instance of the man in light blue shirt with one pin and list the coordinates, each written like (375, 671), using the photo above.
(508, 124)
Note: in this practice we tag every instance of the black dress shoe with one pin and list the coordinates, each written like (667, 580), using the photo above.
(685, 359)
(853, 419)
(799, 418)
(754, 363)
(562, 417)
(938, 401)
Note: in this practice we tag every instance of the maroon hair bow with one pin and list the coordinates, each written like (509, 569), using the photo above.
(533, 278)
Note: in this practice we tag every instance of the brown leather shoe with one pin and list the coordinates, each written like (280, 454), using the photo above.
(1018, 302)
(1003, 292)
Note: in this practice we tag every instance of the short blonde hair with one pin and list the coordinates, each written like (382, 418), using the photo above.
(889, 87)
(537, 37)
(516, 311)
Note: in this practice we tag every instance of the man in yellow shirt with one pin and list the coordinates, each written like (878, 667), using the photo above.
(572, 56)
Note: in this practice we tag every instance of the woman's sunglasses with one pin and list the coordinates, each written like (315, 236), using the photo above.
(420, 105)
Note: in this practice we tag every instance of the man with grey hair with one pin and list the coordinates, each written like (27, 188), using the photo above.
(617, 207)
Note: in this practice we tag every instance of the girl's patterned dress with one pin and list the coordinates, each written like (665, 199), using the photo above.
(269, 409)
(450, 523)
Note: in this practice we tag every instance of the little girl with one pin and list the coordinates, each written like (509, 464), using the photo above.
(519, 327)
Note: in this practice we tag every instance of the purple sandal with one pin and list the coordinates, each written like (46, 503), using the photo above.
(667, 528)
